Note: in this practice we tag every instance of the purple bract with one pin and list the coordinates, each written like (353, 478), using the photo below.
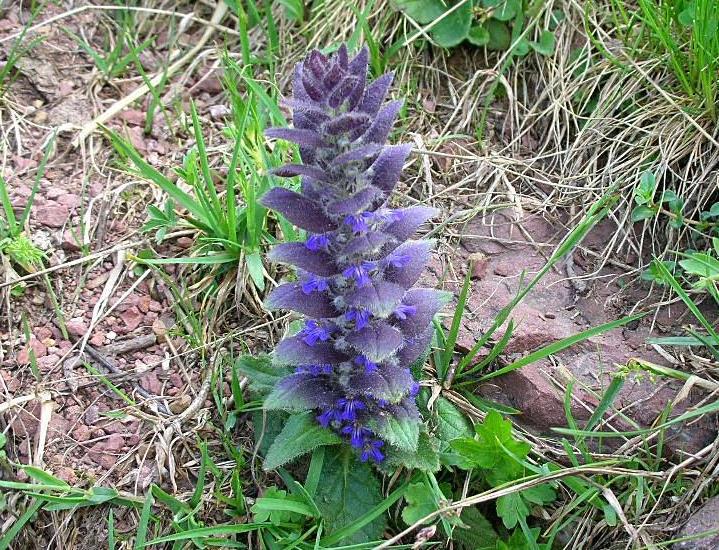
(365, 324)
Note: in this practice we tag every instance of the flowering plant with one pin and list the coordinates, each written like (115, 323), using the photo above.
(364, 322)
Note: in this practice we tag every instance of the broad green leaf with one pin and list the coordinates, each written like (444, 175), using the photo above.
(477, 532)
(521, 48)
(425, 458)
(349, 489)
(454, 28)
(402, 433)
(451, 423)
(701, 264)
(277, 507)
(545, 45)
(260, 372)
(295, 9)
(507, 10)
(422, 11)
(478, 35)
(499, 36)
(642, 212)
(511, 508)
(256, 270)
(301, 435)
(420, 503)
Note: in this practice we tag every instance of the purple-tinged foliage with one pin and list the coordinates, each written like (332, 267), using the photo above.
(365, 324)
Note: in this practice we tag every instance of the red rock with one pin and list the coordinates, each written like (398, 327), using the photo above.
(155, 306)
(132, 318)
(48, 362)
(151, 382)
(184, 242)
(211, 85)
(70, 241)
(23, 163)
(52, 215)
(81, 433)
(114, 442)
(98, 338)
(133, 116)
(704, 520)
(77, 327)
(70, 200)
(39, 349)
(66, 474)
(43, 332)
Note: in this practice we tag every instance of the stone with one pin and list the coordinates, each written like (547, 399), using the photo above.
(52, 215)
(77, 327)
(70, 241)
(38, 348)
(132, 317)
(703, 520)
(81, 433)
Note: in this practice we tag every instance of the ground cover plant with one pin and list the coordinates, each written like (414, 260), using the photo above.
(373, 274)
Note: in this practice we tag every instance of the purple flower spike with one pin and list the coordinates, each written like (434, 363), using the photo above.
(360, 273)
(315, 332)
(403, 311)
(365, 322)
(368, 365)
(317, 242)
(315, 284)
(359, 316)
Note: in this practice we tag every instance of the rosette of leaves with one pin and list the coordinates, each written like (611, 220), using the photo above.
(488, 23)
(364, 321)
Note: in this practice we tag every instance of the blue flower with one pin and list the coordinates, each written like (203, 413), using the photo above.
(314, 332)
(360, 222)
(358, 434)
(315, 284)
(357, 266)
(360, 273)
(372, 450)
(349, 407)
(328, 416)
(368, 365)
(317, 242)
(359, 316)
(403, 311)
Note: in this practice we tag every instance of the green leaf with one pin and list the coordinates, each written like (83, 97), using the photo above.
(422, 11)
(277, 507)
(300, 435)
(450, 423)
(477, 532)
(642, 212)
(499, 36)
(701, 264)
(644, 192)
(454, 28)
(260, 372)
(295, 9)
(506, 10)
(425, 458)
(256, 270)
(545, 46)
(490, 450)
(402, 433)
(349, 490)
(511, 508)
(478, 35)
(521, 48)
(420, 503)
